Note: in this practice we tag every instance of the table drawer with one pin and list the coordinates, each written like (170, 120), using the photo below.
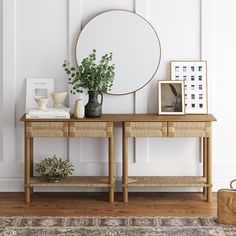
(91, 129)
(189, 129)
(146, 129)
(46, 129)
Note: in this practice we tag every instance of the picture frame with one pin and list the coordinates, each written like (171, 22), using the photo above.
(171, 97)
(194, 75)
(37, 87)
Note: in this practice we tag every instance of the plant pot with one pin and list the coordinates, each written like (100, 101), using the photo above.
(54, 179)
(93, 108)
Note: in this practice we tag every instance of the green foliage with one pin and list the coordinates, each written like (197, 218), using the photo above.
(90, 75)
(54, 168)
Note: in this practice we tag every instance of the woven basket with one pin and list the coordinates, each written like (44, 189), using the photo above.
(226, 205)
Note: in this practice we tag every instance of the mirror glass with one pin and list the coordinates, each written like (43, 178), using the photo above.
(132, 40)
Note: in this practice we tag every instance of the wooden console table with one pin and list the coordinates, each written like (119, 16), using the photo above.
(138, 125)
(169, 126)
(67, 128)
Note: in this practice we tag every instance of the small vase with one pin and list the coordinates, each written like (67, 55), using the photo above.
(59, 99)
(78, 110)
(42, 102)
(93, 108)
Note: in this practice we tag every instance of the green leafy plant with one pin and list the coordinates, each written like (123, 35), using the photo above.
(91, 75)
(177, 105)
(54, 167)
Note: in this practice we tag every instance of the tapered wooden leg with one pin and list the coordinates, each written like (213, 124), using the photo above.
(125, 166)
(27, 170)
(111, 168)
(31, 162)
(209, 169)
(204, 143)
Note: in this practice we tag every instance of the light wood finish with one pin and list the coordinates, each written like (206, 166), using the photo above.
(46, 129)
(96, 204)
(138, 125)
(27, 170)
(125, 165)
(209, 169)
(167, 181)
(31, 161)
(133, 118)
(111, 168)
(189, 129)
(73, 181)
(67, 128)
(90, 129)
(143, 129)
(184, 126)
(204, 142)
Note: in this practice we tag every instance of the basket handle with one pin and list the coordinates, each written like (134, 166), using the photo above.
(231, 183)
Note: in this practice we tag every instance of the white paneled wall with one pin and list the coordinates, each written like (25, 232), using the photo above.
(37, 37)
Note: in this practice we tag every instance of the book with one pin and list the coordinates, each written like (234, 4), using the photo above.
(54, 113)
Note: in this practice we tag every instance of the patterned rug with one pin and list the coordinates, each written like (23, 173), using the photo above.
(113, 226)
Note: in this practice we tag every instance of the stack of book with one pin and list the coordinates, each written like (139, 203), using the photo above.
(49, 113)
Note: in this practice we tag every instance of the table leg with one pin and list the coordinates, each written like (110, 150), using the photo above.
(111, 168)
(204, 141)
(209, 169)
(125, 165)
(31, 162)
(27, 169)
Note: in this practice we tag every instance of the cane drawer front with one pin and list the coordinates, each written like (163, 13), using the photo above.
(189, 129)
(91, 129)
(46, 129)
(146, 129)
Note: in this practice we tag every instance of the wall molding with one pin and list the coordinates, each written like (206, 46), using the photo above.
(9, 81)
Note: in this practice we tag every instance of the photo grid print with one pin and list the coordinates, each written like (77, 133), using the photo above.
(194, 75)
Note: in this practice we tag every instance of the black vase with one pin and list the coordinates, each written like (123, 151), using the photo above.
(93, 108)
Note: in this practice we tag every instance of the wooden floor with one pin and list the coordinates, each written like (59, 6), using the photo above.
(95, 204)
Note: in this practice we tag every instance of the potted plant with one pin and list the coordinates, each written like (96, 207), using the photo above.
(95, 77)
(54, 169)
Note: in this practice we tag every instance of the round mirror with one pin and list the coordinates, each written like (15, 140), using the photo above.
(132, 40)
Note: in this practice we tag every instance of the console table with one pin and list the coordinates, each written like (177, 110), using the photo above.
(138, 125)
(67, 128)
(169, 126)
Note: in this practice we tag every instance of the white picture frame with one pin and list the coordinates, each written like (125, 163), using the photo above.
(194, 75)
(171, 97)
(38, 87)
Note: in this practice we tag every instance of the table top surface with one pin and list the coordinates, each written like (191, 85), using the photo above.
(131, 118)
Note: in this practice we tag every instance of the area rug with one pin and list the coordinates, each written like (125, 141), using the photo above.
(113, 226)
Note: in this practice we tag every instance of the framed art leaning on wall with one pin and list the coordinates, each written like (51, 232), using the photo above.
(194, 75)
(171, 97)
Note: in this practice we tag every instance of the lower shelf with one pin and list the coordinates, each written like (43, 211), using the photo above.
(72, 181)
(167, 181)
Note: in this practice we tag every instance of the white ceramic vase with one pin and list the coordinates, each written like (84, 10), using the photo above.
(78, 110)
(59, 99)
(42, 102)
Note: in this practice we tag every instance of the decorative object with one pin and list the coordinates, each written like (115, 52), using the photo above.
(36, 87)
(226, 205)
(93, 108)
(134, 44)
(54, 169)
(171, 97)
(94, 77)
(194, 75)
(78, 110)
(49, 113)
(42, 102)
(59, 99)
(114, 226)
